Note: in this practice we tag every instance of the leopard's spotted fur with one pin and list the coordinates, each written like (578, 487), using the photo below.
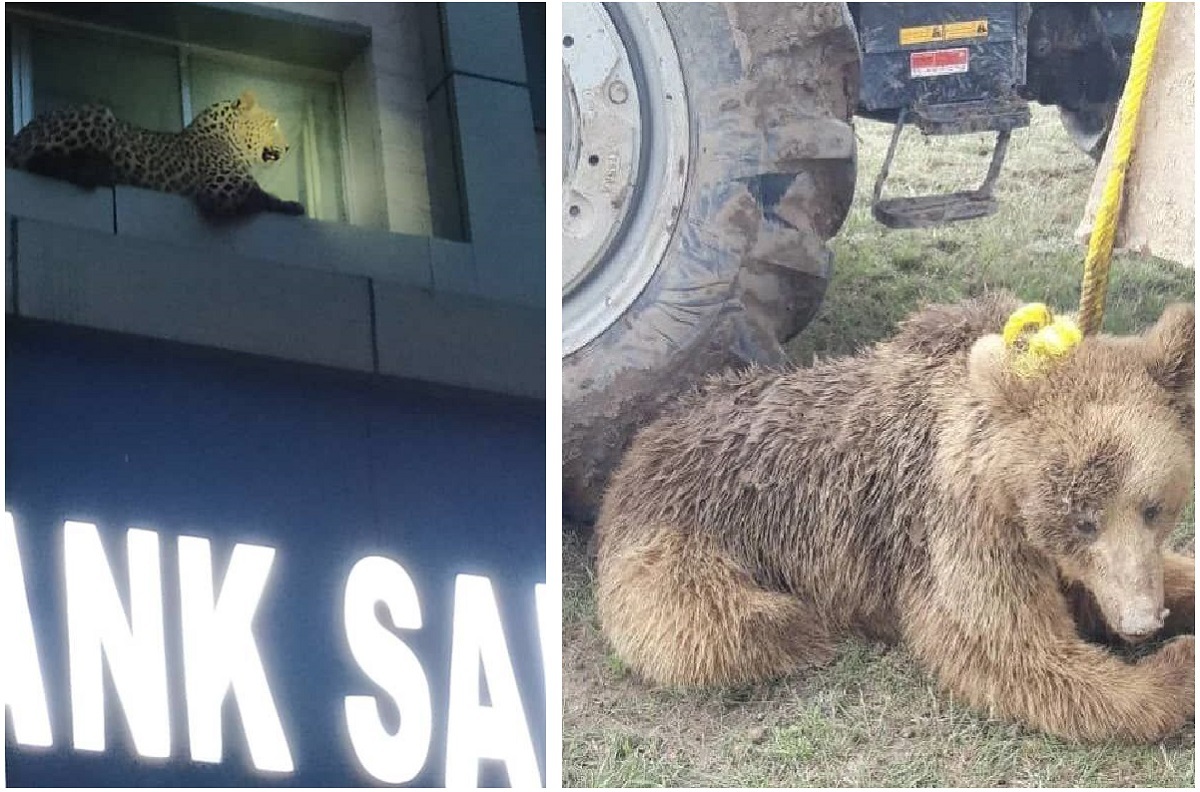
(210, 160)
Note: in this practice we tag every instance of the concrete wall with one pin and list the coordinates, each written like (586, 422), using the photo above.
(145, 263)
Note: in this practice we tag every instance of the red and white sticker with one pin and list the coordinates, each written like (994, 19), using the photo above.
(936, 63)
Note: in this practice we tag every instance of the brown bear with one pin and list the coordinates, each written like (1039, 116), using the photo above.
(924, 491)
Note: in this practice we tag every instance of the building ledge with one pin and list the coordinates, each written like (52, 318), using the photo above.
(147, 263)
(274, 33)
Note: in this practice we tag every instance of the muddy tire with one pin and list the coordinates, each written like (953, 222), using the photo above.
(760, 175)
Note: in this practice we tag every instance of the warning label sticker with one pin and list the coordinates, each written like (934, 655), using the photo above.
(938, 63)
(950, 31)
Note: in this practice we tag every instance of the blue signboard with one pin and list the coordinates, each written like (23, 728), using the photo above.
(230, 571)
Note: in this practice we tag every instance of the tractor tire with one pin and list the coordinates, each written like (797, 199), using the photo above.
(711, 250)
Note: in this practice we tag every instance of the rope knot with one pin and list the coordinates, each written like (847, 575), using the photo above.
(1035, 338)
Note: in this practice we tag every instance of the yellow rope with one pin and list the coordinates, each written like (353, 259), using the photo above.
(1099, 254)
(1035, 338)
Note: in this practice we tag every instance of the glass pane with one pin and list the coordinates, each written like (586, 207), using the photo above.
(309, 114)
(139, 81)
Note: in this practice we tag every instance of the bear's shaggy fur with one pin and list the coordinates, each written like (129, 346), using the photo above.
(923, 492)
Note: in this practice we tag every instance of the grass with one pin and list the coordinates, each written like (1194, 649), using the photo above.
(873, 718)
(1027, 247)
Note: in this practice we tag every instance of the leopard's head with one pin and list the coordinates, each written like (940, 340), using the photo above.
(251, 129)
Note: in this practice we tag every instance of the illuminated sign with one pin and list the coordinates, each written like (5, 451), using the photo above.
(219, 570)
(222, 661)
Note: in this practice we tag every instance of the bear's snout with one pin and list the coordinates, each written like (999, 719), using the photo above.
(1140, 618)
(1126, 576)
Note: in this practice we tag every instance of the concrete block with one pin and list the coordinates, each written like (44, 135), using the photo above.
(290, 241)
(484, 39)
(463, 341)
(57, 201)
(207, 297)
(10, 233)
(453, 266)
(505, 192)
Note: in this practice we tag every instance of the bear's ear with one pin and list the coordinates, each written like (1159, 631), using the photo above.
(246, 101)
(987, 367)
(1169, 349)
(991, 377)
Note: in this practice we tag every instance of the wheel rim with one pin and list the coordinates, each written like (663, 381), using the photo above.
(625, 159)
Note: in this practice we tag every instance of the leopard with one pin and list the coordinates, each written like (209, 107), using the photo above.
(210, 161)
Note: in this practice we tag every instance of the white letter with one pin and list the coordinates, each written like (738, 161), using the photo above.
(477, 732)
(219, 652)
(24, 691)
(97, 628)
(391, 758)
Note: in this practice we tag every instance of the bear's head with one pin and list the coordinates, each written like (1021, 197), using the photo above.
(1092, 458)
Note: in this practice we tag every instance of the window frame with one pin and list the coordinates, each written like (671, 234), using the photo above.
(24, 21)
